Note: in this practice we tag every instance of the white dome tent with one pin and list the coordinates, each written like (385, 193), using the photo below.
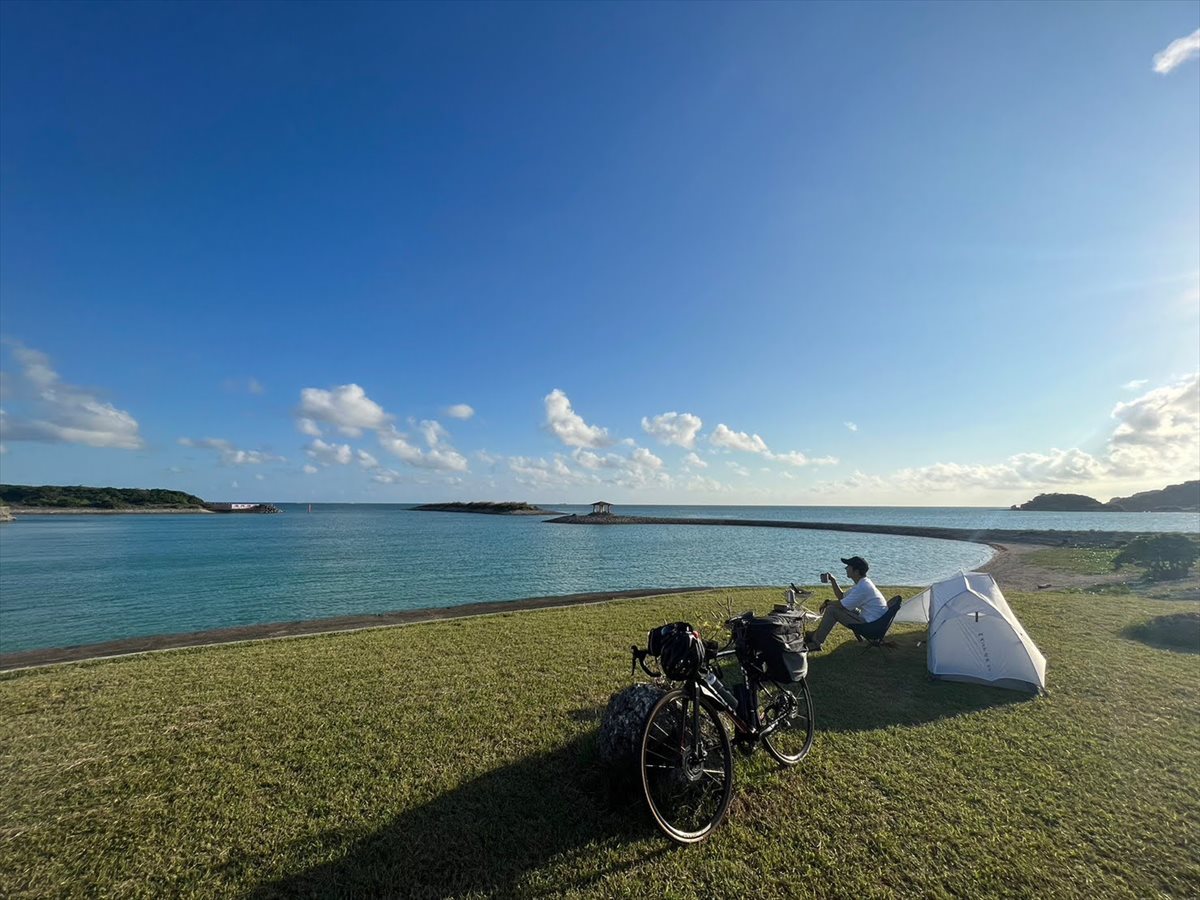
(974, 635)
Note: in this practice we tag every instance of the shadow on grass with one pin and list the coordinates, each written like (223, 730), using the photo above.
(1179, 632)
(857, 687)
(485, 835)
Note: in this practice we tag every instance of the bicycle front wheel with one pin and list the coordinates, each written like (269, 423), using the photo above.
(790, 707)
(687, 771)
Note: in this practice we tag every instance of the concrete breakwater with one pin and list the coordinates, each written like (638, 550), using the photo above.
(993, 536)
(242, 507)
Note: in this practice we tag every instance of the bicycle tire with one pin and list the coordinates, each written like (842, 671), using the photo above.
(688, 796)
(791, 741)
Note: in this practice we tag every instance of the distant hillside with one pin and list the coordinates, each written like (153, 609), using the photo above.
(1175, 497)
(50, 496)
(1062, 503)
(1184, 496)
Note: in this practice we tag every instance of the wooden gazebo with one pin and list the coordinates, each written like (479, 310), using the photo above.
(601, 508)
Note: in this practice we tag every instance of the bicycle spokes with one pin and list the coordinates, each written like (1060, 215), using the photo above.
(787, 720)
(687, 768)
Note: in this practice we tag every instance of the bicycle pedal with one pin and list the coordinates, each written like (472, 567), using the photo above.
(744, 745)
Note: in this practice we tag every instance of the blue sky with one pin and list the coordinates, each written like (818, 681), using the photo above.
(924, 254)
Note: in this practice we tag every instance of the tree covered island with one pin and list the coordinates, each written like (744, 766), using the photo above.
(489, 509)
(1183, 497)
(78, 497)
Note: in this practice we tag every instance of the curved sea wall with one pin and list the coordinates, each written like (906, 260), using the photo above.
(992, 536)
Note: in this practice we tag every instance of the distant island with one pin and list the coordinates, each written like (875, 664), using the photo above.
(1173, 498)
(64, 498)
(489, 509)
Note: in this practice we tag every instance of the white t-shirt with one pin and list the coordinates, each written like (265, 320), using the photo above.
(865, 597)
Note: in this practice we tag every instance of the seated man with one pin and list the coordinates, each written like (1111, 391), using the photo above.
(861, 604)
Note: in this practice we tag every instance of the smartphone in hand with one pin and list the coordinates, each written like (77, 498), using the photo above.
(824, 578)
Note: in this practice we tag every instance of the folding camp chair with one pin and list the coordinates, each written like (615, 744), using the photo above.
(875, 632)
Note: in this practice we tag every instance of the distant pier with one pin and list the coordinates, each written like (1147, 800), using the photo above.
(992, 536)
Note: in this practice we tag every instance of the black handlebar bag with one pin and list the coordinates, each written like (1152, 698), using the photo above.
(775, 644)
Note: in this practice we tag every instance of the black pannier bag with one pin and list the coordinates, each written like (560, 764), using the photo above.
(774, 645)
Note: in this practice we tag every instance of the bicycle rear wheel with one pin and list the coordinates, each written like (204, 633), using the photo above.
(687, 774)
(790, 706)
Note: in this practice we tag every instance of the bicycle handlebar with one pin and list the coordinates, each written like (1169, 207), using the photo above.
(639, 659)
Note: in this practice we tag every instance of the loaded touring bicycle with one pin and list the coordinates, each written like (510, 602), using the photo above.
(686, 758)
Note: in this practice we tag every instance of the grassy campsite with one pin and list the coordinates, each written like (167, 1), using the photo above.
(458, 758)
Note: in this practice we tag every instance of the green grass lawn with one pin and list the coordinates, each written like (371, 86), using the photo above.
(1080, 560)
(458, 758)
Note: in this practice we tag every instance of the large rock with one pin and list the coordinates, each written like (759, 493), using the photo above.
(624, 722)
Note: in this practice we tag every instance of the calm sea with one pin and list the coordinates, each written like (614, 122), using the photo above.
(80, 579)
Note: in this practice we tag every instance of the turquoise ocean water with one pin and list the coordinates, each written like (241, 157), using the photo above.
(68, 580)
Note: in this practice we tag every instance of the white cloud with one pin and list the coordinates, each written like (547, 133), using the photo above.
(1024, 470)
(1177, 52)
(258, 476)
(346, 407)
(310, 469)
(569, 427)
(792, 458)
(366, 460)
(309, 427)
(254, 386)
(673, 428)
(637, 470)
(460, 411)
(435, 435)
(229, 454)
(724, 436)
(644, 459)
(329, 454)
(695, 462)
(1135, 384)
(540, 472)
(61, 412)
(1159, 432)
(823, 460)
(851, 426)
(859, 481)
(641, 469)
(703, 484)
(439, 456)
(1157, 435)
(738, 470)
(594, 461)
(386, 476)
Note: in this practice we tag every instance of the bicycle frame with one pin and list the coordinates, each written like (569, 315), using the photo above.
(744, 728)
(696, 687)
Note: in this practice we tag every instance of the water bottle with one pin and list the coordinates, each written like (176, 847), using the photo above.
(719, 688)
(791, 598)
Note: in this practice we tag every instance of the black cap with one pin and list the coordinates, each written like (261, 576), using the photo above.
(856, 562)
